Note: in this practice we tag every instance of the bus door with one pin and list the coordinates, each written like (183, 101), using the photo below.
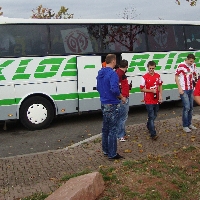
(8, 105)
(88, 67)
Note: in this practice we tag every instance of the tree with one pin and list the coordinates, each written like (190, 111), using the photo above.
(1, 13)
(46, 13)
(192, 2)
(129, 13)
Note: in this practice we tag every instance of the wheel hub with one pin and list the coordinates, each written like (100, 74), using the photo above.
(36, 113)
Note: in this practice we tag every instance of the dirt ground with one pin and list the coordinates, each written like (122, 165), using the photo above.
(175, 176)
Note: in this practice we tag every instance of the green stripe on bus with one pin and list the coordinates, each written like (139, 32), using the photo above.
(164, 87)
(134, 90)
(61, 97)
(89, 66)
(17, 100)
(88, 95)
(7, 102)
(45, 74)
(21, 76)
(69, 73)
(169, 86)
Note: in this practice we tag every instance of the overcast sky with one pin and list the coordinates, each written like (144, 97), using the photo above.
(107, 9)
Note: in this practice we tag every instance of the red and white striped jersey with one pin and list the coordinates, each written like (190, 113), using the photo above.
(186, 75)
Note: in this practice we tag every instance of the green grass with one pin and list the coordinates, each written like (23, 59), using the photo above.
(190, 148)
(128, 193)
(174, 195)
(67, 177)
(151, 195)
(39, 196)
(109, 174)
(157, 173)
(105, 198)
(97, 140)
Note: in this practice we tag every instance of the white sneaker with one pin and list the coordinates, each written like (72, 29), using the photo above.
(192, 127)
(186, 129)
(122, 139)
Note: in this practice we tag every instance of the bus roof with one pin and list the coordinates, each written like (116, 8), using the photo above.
(6, 20)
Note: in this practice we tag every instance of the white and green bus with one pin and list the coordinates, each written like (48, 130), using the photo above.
(49, 67)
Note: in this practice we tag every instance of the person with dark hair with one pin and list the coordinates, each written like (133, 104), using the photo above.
(124, 107)
(184, 76)
(108, 88)
(151, 85)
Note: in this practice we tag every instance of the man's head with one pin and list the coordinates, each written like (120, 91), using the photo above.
(151, 65)
(190, 59)
(124, 65)
(111, 60)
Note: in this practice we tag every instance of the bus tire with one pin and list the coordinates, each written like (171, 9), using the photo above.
(36, 113)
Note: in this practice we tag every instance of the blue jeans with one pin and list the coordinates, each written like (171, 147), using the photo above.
(123, 115)
(152, 110)
(109, 129)
(187, 100)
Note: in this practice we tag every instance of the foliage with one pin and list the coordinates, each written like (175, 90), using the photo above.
(192, 2)
(46, 13)
(1, 13)
(129, 13)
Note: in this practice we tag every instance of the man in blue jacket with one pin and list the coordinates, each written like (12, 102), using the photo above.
(108, 88)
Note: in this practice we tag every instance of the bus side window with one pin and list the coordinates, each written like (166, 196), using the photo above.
(192, 37)
(57, 43)
(179, 37)
(161, 38)
(7, 41)
(20, 46)
(57, 46)
(138, 38)
(39, 41)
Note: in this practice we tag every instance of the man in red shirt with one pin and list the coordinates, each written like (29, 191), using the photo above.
(184, 76)
(124, 106)
(151, 85)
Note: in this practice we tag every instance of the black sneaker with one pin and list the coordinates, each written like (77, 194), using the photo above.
(154, 137)
(116, 157)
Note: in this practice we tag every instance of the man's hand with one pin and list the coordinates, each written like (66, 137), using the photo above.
(160, 98)
(123, 100)
(153, 90)
(180, 90)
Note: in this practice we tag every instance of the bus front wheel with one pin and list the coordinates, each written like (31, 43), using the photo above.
(36, 113)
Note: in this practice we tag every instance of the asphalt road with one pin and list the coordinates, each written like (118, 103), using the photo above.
(70, 129)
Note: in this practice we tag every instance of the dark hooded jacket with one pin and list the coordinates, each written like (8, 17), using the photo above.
(108, 86)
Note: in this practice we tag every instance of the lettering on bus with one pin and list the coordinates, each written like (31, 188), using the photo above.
(70, 68)
(2, 66)
(41, 70)
(138, 61)
(55, 65)
(165, 61)
(19, 73)
(170, 61)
